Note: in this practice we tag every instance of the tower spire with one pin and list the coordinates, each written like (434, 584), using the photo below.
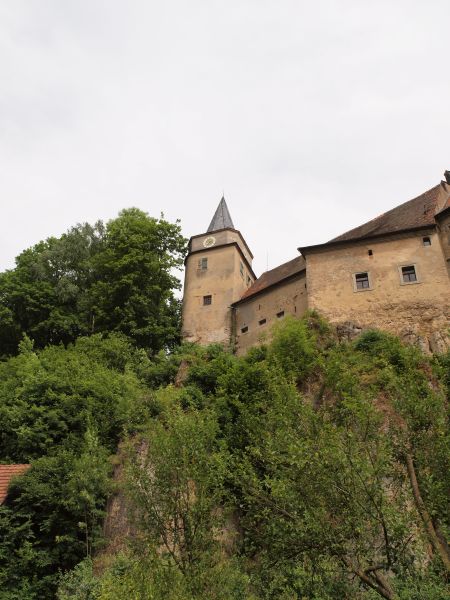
(221, 218)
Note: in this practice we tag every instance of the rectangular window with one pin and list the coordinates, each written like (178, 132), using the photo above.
(426, 241)
(248, 280)
(203, 264)
(244, 329)
(409, 274)
(362, 281)
(241, 268)
(263, 321)
(280, 314)
(207, 300)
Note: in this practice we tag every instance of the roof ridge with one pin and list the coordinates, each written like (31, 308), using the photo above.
(381, 221)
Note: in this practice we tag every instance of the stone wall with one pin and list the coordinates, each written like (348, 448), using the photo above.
(417, 312)
(224, 282)
(289, 298)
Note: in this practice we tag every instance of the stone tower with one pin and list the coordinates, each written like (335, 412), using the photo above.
(218, 270)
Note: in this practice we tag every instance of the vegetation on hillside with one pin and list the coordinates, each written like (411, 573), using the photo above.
(307, 469)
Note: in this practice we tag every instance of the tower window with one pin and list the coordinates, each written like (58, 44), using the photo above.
(263, 321)
(244, 329)
(241, 268)
(370, 252)
(362, 281)
(249, 280)
(203, 264)
(409, 274)
(426, 241)
(207, 300)
(280, 314)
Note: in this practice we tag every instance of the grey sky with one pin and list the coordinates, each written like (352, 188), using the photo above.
(313, 117)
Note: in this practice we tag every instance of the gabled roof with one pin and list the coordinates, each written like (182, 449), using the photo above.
(221, 218)
(418, 212)
(7, 472)
(274, 276)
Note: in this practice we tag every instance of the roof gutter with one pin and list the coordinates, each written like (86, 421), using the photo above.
(366, 239)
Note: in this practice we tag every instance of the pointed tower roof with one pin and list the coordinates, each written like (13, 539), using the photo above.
(221, 218)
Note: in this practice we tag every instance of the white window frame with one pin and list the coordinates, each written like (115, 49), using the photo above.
(400, 272)
(369, 277)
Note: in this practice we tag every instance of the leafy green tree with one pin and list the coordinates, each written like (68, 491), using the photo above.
(52, 396)
(45, 295)
(176, 482)
(325, 487)
(133, 292)
(96, 279)
(53, 519)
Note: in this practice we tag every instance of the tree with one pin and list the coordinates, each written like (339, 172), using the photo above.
(53, 519)
(96, 279)
(45, 295)
(51, 397)
(135, 280)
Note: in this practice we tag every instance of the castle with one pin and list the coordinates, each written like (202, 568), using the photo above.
(391, 273)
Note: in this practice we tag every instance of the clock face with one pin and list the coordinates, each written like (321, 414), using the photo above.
(209, 241)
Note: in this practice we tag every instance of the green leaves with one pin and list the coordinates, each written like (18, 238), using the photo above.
(96, 279)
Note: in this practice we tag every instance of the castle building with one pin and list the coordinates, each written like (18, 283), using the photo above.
(392, 273)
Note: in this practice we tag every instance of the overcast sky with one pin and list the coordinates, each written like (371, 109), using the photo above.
(311, 116)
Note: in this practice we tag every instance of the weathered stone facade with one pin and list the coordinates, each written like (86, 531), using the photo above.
(392, 273)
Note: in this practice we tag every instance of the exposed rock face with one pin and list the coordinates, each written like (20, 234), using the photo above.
(348, 331)
(432, 337)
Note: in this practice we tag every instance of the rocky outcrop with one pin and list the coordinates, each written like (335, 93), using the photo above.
(431, 335)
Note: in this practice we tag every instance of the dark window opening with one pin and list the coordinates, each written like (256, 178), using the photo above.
(426, 241)
(362, 281)
(370, 253)
(263, 321)
(248, 280)
(280, 314)
(409, 274)
(241, 267)
(207, 300)
(203, 264)
(244, 329)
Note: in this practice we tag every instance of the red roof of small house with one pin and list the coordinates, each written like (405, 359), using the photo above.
(7, 472)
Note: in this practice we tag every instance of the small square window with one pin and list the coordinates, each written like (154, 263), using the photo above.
(244, 329)
(409, 274)
(207, 300)
(263, 321)
(280, 314)
(203, 264)
(362, 281)
(426, 241)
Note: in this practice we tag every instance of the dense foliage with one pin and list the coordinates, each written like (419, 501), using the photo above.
(307, 469)
(92, 279)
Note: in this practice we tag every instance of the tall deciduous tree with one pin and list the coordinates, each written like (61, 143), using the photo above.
(95, 279)
(133, 292)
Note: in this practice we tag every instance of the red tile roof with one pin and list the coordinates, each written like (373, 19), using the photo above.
(7, 472)
(269, 278)
(418, 212)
